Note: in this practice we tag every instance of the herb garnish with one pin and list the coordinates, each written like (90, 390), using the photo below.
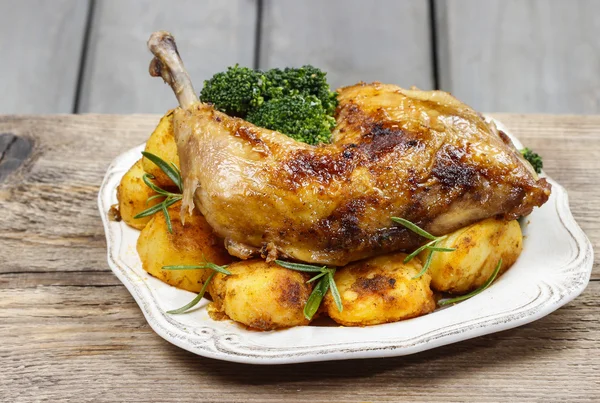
(207, 265)
(325, 283)
(431, 245)
(485, 285)
(172, 173)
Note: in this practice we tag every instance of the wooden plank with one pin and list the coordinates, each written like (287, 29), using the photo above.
(211, 35)
(352, 40)
(61, 340)
(41, 48)
(69, 328)
(521, 56)
(51, 222)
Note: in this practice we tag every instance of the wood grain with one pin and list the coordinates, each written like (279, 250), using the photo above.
(211, 35)
(521, 55)
(351, 40)
(70, 330)
(41, 43)
(61, 338)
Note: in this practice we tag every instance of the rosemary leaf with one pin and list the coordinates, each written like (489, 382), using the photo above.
(149, 211)
(176, 168)
(425, 266)
(167, 217)
(172, 173)
(414, 228)
(212, 266)
(334, 291)
(300, 266)
(172, 200)
(419, 250)
(316, 297)
(195, 301)
(318, 276)
(154, 197)
(439, 249)
(146, 178)
(216, 267)
(485, 285)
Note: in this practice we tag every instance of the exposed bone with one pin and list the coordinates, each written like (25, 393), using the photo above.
(168, 65)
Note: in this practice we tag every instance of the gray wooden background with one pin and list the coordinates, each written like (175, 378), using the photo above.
(78, 56)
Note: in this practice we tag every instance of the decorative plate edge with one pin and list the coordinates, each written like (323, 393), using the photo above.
(218, 345)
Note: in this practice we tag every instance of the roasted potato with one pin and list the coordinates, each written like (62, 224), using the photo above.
(380, 290)
(162, 143)
(132, 194)
(187, 245)
(261, 295)
(479, 247)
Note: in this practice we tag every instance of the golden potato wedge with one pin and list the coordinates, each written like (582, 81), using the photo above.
(132, 194)
(261, 295)
(162, 143)
(479, 247)
(187, 245)
(380, 290)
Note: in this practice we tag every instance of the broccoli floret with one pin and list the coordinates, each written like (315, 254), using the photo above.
(533, 158)
(234, 91)
(306, 80)
(303, 118)
(293, 101)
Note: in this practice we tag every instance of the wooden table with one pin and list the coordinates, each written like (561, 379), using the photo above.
(69, 329)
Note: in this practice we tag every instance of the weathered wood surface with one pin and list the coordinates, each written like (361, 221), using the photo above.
(352, 40)
(211, 35)
(70, 330)
(521, 56)
(511, 56)
(40, 43)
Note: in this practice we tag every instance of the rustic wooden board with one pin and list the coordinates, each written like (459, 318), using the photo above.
(41, 43)
(211, 35)
(69, 329)
(63, 338)
(521, 56)
(351, 40)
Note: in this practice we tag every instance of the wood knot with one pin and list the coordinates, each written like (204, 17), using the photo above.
(14, 150)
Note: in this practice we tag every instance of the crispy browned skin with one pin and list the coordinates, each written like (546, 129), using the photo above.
(434, 162)
(421, 155)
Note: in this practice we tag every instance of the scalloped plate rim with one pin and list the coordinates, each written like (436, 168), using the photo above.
(223, 346)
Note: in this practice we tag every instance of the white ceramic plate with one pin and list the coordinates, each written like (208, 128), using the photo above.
(554, 268)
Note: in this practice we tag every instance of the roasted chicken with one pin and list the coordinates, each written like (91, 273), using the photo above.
(420, 155)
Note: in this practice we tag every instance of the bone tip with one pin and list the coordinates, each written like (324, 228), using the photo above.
(159, 37)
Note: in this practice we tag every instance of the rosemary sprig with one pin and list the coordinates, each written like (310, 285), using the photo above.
(431, 246)
(170, 198)
(485, 285)
(207, 265)
(195, 301)
(170, 170)
(326, 282)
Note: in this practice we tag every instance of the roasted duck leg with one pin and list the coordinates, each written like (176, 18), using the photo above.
(420, 155)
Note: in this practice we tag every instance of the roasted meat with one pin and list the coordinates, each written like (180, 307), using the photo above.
(420, 155)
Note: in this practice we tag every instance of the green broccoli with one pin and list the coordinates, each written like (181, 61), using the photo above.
(303, 118)
(235, 91)
(306, 80)
(533, 158)
(293, 101)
